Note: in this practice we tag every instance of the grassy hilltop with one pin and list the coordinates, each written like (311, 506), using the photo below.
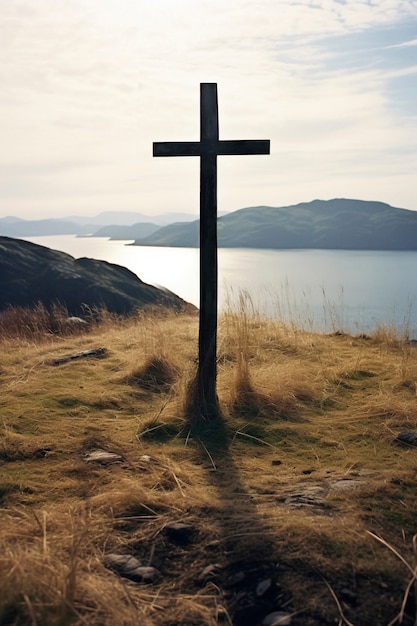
(298, 502)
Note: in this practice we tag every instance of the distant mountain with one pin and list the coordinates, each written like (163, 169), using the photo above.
(323, 224)
(180, 234)
(135, 231)
(16, 227)
(143, 225)
(127, 218)
(10, 219)
(30, 274)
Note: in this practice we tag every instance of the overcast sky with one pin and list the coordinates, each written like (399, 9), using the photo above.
(88, 85)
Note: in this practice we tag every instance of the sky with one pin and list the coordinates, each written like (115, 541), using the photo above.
(88, 85)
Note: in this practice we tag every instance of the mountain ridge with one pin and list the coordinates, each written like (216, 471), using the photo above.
(116, 225)
(339, 223)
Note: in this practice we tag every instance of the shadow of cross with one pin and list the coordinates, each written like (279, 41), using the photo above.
(243, 544)
(208, 148)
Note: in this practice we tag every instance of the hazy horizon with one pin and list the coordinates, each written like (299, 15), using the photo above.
(88, 85)
(187, 216)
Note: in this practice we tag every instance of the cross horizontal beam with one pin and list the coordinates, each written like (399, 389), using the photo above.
(206, 147)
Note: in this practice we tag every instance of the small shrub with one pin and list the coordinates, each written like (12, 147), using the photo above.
(157, 375)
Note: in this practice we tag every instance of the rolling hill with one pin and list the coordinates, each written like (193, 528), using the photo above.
(322, 224)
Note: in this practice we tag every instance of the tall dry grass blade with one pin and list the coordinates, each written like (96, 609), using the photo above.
(262, 441)
(393, 550)
(44, 539)
(208, 454)
(175, 477)
(339, 606)
(400, 616)
(30, 610)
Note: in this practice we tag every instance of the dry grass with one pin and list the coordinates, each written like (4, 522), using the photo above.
(302, 413)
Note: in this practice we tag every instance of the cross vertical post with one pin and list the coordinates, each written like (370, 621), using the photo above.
(209, 146)
(207, 335)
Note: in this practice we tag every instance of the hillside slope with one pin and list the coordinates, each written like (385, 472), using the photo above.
(30, 274)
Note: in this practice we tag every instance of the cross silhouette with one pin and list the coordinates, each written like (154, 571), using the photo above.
(208, 148)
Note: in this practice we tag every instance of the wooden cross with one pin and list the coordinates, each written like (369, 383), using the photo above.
(207, 149)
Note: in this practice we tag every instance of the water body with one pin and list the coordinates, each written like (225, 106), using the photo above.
(325, 290)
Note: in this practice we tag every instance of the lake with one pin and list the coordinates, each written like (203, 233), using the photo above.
(324, 290)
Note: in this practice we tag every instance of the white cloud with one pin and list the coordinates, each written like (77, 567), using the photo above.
(88, 85)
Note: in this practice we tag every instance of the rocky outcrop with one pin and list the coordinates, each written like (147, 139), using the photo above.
(30, 274)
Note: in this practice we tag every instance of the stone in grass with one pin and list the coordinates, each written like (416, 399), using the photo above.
(103, 457)
(209, 573)
(96, 353)
(146, 459)
(74, 320)
(407, 438)
(263, 587)
(179, 532)
(346, 484)
(235, 579)
(307, 495)
(130, 567)
(277, 618)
